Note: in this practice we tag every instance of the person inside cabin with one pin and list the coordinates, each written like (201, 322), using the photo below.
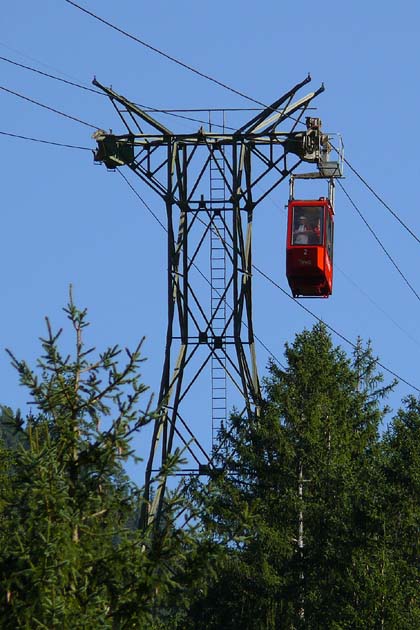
(315, 234)
(301, 231)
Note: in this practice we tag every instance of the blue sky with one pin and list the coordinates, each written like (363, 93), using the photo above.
(65, 220)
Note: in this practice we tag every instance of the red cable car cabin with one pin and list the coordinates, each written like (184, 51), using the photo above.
(309, 247)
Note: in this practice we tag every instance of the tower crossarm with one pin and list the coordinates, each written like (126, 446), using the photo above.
(132, 107)
(260, 119)
(271, 122)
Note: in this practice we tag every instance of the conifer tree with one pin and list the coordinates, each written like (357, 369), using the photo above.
(292, 503)
(401, 519)
(72, 555)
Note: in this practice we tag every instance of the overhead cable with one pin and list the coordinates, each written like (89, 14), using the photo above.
(148, 208)
(368, 297)
(378, 241)
(166, 55)
(341, 336)
(208, 77)
(375, 194)
(146, 205)
(51, 76)
(167, 112)
(51, 109)
(231, 89)
(56, 144)
(262, 273)
(44, 65)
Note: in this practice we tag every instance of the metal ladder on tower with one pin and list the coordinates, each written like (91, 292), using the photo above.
(218, 286)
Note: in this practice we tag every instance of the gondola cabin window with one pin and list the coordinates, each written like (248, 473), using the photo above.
(330, 236)
(307, 225)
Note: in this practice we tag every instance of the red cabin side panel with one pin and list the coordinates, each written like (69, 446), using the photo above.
(309, 246)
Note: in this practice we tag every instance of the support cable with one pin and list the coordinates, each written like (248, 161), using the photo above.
(341, 336)
(41, 63)
(146, 205)
(56, 144)
(166, 55)
(177, 115)
(190, 68)
(305, 308)
(254, 266)
(379, 241)
(148, 208)
(168, 112)
(51, 109)
(376, 305)
(51, 76)
(375, 194)
(231, 89)
(328, 326)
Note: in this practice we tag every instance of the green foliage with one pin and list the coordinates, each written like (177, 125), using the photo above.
(401, 516)
(310, 518)
(72, 555)
(11, 433)
(299, 502)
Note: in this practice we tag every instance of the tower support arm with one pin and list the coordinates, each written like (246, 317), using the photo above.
(259, 119)
(278, 117)
(133, 108)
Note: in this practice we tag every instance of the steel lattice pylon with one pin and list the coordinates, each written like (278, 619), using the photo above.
(251, 162)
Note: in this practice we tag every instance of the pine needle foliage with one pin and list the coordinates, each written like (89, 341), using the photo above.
(401, 518)
(298, 499)
(72, 554)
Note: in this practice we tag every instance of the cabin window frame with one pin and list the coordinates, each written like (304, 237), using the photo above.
(329, 235)
(308, 212)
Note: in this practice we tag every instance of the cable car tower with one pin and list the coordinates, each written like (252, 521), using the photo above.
(211, 183)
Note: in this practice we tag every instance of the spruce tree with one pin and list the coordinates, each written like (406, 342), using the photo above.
(72, 555)
(401, 519)
(292, 503)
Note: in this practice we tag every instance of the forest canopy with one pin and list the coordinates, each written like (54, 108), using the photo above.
(310, 518)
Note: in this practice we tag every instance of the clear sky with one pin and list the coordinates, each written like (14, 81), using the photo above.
(65, 220)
